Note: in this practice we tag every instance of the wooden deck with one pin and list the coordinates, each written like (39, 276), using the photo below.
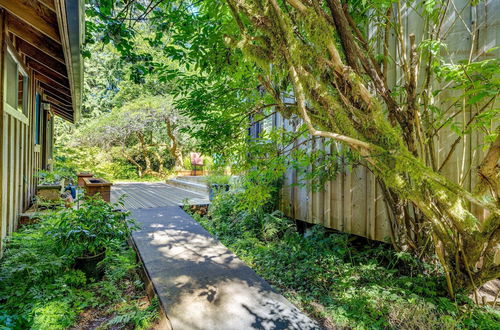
(146, 195)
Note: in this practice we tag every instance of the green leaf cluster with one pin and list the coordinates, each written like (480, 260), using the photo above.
(91, 228)
(40, 289)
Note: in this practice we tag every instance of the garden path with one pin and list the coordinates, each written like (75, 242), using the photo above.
(199, 282)
(137, 195)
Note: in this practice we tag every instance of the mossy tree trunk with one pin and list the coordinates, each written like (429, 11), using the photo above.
(174, 147)
(132, 160)
(145, 154)
(341, 92)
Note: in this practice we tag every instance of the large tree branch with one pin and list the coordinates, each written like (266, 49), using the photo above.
(132, 160)
(489, 170)
(333, 98)
(174, 144)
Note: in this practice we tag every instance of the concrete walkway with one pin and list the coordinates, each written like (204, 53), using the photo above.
(203, 285)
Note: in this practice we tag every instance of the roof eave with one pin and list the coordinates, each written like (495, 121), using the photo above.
(71, 18)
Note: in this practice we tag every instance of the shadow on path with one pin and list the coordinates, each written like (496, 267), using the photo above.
(203, 285)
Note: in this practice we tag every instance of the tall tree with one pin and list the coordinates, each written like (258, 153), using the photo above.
(342, 93)
(143, 129)
(326, 55)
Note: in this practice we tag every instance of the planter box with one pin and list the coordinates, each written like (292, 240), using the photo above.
(81, 176)
(50, 192)
(98, 185)
(198, 172)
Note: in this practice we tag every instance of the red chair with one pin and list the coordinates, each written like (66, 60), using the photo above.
(196, 161)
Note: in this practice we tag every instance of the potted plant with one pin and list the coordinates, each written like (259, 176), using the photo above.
(87, 232)
(217, 183)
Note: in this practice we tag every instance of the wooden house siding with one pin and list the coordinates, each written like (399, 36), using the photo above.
(30, 36)
(20, 156)
(354, 202)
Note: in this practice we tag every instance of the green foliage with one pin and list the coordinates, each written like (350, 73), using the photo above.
(103, 76)
(109, 165)
(233, 68)
(341, 280)
(28, 273)
(56, 175)
(39, 289)
(245, 220)
(53, 315)
(141, 318)
(219, 179)
(117, 108)
(133, 140)
(91, 228)
(477, 84)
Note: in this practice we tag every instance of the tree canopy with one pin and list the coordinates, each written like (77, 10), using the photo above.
(356, 75)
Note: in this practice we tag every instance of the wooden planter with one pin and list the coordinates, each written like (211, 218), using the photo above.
(81, 176)
(50, 192)
(199, 172)
(98, 185)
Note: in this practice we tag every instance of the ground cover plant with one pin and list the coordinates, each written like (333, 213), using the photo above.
(41, 289)
(338, 279)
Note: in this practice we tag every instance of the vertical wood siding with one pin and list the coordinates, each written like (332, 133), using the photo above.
(19, 161)
(16, 173)
(354, 202)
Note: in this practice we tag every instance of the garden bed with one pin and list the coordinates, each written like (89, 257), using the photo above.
(342, 280)
(40, 287)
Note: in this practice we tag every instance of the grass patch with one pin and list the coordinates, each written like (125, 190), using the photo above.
(40, 289)
(339, 280)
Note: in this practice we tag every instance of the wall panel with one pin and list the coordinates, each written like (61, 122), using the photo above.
(18, 161)
(354, 202)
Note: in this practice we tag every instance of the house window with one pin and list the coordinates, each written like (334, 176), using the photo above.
(16, 85)
(37, 118)
(50, 136)
(260, 127)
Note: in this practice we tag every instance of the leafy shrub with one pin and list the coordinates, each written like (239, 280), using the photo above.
(39, 289)
(104, 164)
(56, 175)
(90, 229)
(139, 317)
(218, 179)
(230, 215)
(117, 169)
(53, 315)
(36, 280)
